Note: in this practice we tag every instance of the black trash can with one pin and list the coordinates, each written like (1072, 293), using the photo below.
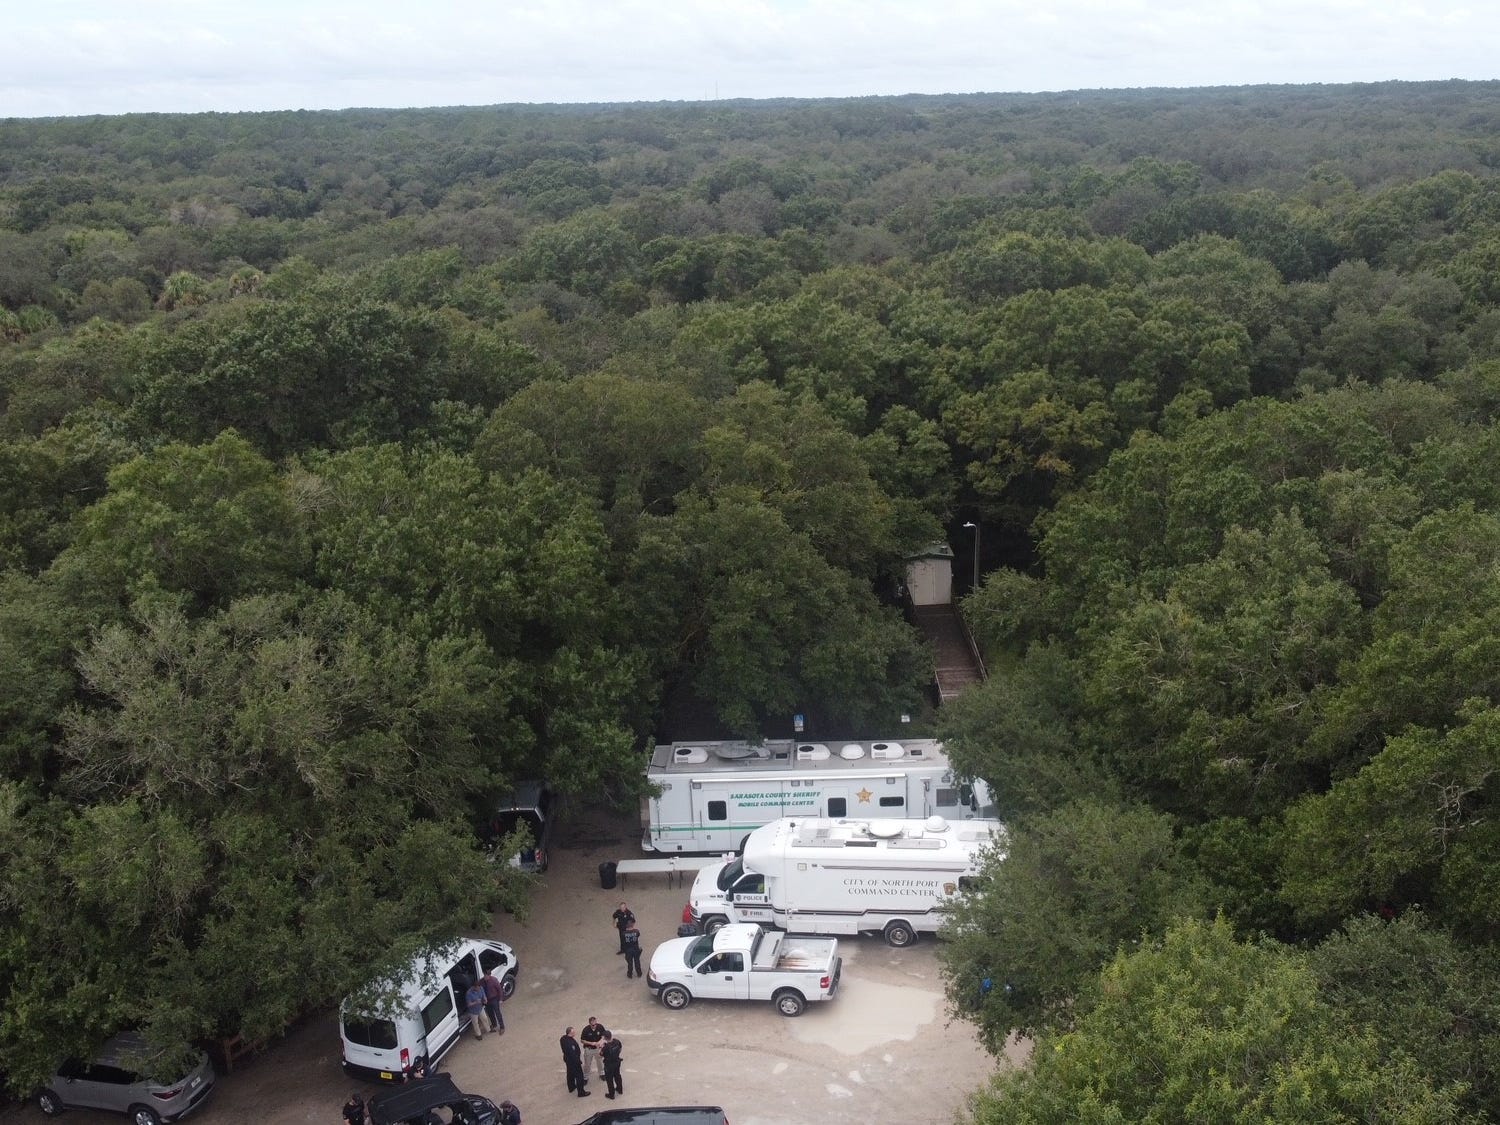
(607, 875)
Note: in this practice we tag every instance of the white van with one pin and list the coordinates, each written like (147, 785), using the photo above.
(810, 876)
(426, 1014)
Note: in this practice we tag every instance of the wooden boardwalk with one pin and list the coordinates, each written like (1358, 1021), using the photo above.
(958, 663)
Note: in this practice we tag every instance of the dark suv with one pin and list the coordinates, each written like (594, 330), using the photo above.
(418, 1103)
(532, 806)
(660, 1115)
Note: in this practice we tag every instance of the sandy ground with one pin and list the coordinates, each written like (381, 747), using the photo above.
(883, 1051)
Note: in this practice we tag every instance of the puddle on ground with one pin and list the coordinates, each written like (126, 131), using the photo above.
(867, 1016)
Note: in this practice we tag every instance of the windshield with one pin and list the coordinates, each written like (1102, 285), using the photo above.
(698, 950)
(370, 1031)
(729, 873)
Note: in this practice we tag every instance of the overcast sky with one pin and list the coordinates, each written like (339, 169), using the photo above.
(66, 57)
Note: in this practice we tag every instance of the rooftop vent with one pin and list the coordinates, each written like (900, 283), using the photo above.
(886, 750)
(737, 751)
(812, 752)
(689, 755)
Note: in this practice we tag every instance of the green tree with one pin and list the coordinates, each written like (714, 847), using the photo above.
(436, 548)
(1198, 1027)
(212, 521)
(1387, 833)
(1418, 992)
(1206, 697)
(1074, 885)
(248, 802)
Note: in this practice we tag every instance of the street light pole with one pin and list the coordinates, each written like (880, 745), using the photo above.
(975, 526)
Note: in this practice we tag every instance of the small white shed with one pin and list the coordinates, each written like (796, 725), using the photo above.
(929, 575)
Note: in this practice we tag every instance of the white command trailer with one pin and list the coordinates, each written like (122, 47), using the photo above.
(712, 795)
(816, 876)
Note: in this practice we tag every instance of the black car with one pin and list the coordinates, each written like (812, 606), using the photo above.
(660, 1115)
(431, 1101)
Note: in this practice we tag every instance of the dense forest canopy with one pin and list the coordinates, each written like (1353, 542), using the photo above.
(357, 465)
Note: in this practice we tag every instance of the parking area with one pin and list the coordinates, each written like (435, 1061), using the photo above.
(882, 1051)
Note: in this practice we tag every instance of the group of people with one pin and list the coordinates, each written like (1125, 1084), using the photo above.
(594, 1049)
(482, 1004)
(630, 941)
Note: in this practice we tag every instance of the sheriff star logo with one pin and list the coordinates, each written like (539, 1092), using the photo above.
(864, 796)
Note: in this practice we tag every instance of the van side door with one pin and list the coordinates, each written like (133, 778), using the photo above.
(443, 1015)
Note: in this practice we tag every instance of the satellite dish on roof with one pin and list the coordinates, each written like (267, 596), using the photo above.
(884, 829)
(936, 824)
(851, 751)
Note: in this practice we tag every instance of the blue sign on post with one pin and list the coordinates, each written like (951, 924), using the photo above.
(798, 722)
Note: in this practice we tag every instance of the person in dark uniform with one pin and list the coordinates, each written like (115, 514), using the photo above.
(623, 917)
(354, 1110)
(609, 1059)
(632, 938)
(509, 1114)
(573, 1061)
(421, 1069)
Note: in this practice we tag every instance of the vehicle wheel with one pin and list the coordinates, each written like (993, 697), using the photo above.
(899, 934)
(144, 1115)
(714, 923)
(676, 997)
(49, 1103)
(507, 986)
(789, 1003)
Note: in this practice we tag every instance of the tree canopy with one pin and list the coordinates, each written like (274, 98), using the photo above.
(355, 466)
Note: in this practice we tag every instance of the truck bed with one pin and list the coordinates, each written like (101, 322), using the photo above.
(796, 953)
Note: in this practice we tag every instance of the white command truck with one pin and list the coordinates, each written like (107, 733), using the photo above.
(711, 795)
(891, 877)
(746, 962)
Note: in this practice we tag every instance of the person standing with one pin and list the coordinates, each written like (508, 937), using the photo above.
(494, 992)
(474, 1005)
(609, 1059)
(354, 1110)
(509, 1114)
(573, 1062)
(590, 1038)
(632, 937)
(623, 917)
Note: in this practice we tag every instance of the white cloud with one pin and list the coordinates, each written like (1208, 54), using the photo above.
(97, 56)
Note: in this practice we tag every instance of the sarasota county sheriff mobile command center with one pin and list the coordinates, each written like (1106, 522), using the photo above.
(712, 795)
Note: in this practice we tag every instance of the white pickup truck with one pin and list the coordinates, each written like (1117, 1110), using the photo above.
(741, 961)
